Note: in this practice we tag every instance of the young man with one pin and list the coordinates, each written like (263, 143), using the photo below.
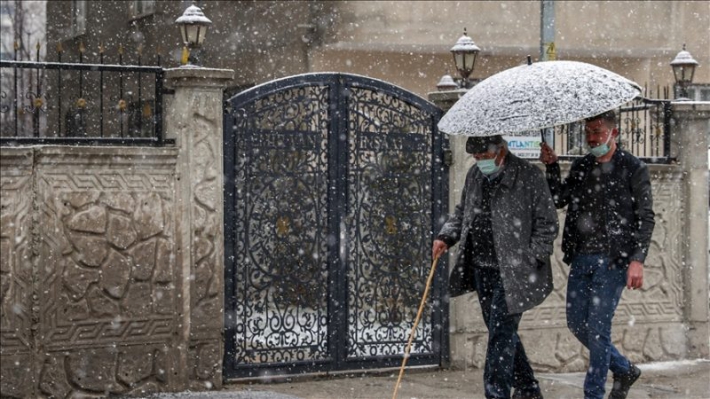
(506, 223)
(606, 237)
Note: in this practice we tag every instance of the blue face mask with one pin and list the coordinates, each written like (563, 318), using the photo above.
(601, 149)
(488, 166)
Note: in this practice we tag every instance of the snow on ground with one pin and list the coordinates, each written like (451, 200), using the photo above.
(670, 365)
(223, 395)
(577, 379)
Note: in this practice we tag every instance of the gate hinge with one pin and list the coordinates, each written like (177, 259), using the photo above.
(448, 158)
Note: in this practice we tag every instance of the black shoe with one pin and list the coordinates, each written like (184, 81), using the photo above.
(623, 383)
(520, 394)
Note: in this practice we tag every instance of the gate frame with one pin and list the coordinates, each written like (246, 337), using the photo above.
(337, 293)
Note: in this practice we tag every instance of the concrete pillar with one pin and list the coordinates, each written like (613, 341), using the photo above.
(463, 308)
(194, 118)
(692, 128)
(459, 161)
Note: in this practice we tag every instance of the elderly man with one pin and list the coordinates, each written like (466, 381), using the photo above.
(506, 223)
(606, 237)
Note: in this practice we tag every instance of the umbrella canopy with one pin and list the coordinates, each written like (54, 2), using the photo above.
(537, 96)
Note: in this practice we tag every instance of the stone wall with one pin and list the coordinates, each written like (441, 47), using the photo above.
(90, 289)
(111, 273)
(194, 117)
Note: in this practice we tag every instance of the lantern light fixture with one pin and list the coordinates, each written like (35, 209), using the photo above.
(193, 26)
(683, 70)
(465, 52)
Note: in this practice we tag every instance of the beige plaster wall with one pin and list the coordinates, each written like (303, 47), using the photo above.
(407, 43)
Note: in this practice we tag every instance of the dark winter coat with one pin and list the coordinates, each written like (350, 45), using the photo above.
(627, 209)
(524, 227)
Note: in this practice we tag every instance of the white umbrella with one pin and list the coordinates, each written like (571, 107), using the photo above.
(537, 96)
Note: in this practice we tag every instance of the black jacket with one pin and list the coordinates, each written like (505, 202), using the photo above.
(628, 209)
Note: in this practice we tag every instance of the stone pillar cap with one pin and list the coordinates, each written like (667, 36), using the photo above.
(699, 108)
(196, 76)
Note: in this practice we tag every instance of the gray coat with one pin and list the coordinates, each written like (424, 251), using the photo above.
(524, 227)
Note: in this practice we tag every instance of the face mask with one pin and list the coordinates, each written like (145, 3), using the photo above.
(602, 149)
(488, 166)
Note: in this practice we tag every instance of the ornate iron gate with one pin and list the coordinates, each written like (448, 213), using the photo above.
(334, 188)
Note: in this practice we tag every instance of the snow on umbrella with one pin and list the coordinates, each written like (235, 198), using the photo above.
(537, 96)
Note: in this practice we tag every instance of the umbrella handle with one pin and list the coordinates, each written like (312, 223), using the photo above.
(542, 135)
(414, 327)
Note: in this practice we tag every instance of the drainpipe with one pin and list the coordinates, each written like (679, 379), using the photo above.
(547, 30)
(547, 44)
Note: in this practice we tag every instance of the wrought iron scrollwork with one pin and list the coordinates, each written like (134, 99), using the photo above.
(282, 235)
(35, 103)
(40, 104)
(631, 126)
(332, 209)
(4, 105)
(389, 180)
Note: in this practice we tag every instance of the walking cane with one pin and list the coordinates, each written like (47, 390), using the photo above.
(414, 327)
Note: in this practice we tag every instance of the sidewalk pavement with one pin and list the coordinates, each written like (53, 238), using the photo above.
(688, 379)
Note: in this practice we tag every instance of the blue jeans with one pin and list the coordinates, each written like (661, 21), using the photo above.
(507, 366)
(593, 291)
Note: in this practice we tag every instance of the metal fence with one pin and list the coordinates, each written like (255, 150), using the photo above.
(81, 103)
(644, 130)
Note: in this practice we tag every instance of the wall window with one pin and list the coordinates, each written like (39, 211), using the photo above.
(699, 92)
(141, 8)
(7, 29)
(7, 8)
(78, 17)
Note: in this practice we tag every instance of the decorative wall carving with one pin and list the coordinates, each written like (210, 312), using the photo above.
(102, 223)
(16, 273)
(101, 296)
(204, 133)
(93, 289)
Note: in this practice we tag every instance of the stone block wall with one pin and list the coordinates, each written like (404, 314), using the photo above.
(111, 266)
(90, 288)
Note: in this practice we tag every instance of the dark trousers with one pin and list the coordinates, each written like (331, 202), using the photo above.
(507, 366)
(593, 292)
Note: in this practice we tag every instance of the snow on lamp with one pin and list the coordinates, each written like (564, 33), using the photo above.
(193, 27)
(683, 70)
(465, 52)
(447, 83)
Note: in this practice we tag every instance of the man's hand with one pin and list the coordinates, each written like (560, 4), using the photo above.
(634, 275)
(438, 248)
(547, 154)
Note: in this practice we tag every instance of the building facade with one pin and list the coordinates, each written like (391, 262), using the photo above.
(405, 43)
